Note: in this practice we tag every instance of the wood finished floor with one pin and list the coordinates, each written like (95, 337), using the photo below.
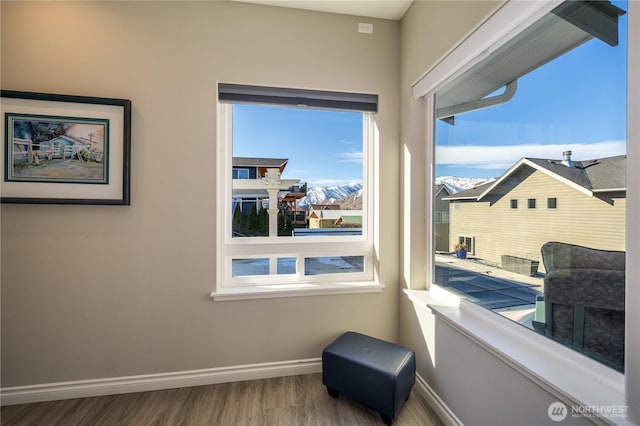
(283, 401)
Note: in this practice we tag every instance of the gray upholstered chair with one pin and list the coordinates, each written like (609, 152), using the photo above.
(584, 292)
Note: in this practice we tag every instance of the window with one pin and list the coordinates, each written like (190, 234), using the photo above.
(532, 117)
(441, 217)
(512, 20)
(240, 173)
(531, 203)
(297, 212)
(469, 243)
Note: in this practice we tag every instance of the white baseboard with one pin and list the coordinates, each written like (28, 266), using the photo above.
(151, 382)
(441, 409)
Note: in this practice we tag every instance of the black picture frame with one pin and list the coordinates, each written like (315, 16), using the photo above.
(65, 149)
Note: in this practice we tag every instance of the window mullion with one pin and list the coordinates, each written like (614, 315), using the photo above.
(323, 248)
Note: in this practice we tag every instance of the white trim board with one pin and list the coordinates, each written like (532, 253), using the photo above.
(436, 403)
(512, 18)
(210, 376)
(151, 382)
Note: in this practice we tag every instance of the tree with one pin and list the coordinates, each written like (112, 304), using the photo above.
(263, 221)
(237, 219)
(252, 220)
(285, 225)
(38, 131)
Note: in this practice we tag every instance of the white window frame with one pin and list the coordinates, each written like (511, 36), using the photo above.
(471, 248)
(229, 287)
(531, 203)
(572, 377)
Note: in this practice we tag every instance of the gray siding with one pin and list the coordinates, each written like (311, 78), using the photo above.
(441, 222)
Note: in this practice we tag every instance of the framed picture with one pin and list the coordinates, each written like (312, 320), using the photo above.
(63, 149)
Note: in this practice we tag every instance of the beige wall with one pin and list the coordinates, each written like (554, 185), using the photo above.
(578, 219)
(429, 30)
(132, 296)
(100, 291)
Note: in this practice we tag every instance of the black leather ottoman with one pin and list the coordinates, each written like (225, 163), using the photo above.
(373, 372)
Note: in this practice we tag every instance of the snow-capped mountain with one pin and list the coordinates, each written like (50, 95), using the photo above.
(330, 194)
(456, 184)
(347, 193)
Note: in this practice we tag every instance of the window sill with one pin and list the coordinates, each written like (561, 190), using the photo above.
(575, 379)
(294, 290)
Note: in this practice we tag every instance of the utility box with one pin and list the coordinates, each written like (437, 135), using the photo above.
(520, 265)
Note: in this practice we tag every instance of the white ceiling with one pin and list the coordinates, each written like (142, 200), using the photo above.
(385, 9)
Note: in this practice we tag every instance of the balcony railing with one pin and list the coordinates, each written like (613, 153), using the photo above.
(299, 189)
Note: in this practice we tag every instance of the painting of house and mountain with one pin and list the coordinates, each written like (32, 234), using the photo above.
(56, 149)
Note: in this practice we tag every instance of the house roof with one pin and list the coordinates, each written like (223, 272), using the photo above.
(442, 187)
(603, 174)
(590, 176)
(351, 220)
(335, 214)
(325, 206)
(259, 162)
(470, 194)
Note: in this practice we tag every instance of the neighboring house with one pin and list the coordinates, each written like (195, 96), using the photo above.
(441, 218)
(325, 206)
(540, 200)
(316, 215)
(257, 183)
(330, 218)
(349, 221)
(253, 168)
(250, 168)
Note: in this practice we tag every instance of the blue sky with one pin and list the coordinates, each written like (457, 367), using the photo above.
(577, 102)
(324, 148)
